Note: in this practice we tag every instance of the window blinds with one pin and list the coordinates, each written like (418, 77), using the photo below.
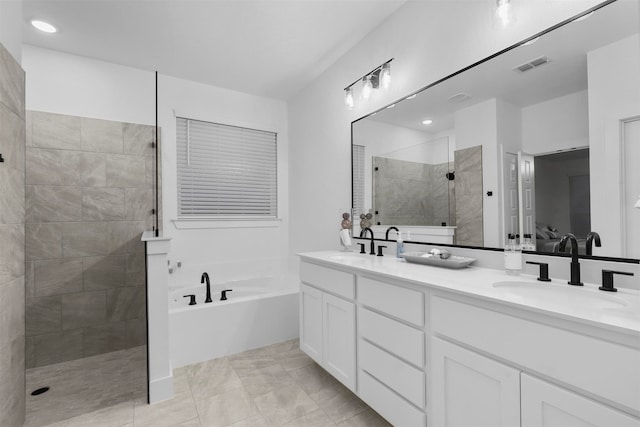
(358, 179)
(225, 171)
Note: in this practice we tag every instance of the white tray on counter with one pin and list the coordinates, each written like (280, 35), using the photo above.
(434, 260)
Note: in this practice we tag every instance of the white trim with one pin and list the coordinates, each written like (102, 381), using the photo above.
(161, 389)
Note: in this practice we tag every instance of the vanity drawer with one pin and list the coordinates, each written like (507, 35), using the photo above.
(392, 407)
(328, 279)
(406, 380)
(395, 337)
(403, 303)
(567, 356)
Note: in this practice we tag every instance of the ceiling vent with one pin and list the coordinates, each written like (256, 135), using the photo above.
(459, 97)
(531, 64)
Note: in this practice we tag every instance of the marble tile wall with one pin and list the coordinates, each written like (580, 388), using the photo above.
(12, 252)
(89, 196)
(468, 196)
(410, 193)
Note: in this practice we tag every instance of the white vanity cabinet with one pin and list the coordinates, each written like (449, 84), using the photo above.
(472, 390)
(468, 385)
(327, 320)
(391, 360)
(429, 353)
(547, 405)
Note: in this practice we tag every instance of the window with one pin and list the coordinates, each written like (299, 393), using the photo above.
(358, 179)
(225, 172)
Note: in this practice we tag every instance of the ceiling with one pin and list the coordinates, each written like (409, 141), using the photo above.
(565, 73)
(271, 48)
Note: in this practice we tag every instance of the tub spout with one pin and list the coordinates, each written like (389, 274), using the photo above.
(205, 278)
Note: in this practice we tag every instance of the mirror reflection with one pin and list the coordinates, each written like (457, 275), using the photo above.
(539, 141)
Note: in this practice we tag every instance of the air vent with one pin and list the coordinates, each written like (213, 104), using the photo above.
(459, 97)
(531, 64)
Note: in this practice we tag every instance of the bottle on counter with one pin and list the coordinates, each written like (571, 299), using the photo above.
(399, 245)
(528, 244)
(512, 256)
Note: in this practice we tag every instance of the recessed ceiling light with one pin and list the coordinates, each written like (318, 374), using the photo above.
(43, 26)
(427, 122)
(391, 106)
(412, 96)
(583, 17)
(530, 42)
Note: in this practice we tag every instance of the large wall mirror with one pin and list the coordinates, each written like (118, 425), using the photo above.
(542, 140)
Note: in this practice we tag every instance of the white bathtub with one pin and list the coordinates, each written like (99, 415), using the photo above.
(259, 311)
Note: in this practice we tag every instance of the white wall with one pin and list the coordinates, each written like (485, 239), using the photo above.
(557, 124)
(478, 125)
(74, 85)
(69, 84)
(614, 95)
(11, 27)
(429, 40)
(222, 244)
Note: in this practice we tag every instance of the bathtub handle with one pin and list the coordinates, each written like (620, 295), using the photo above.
(223, 294)
(192, 301)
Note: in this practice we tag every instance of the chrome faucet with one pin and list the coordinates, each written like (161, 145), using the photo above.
(575, 264)
(386, 235)
(590, 237)
(364, 234)
(205, 278)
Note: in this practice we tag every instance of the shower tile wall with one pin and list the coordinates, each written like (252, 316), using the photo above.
(411, 193)
(89, 195)
(12, 308)
(468, 195)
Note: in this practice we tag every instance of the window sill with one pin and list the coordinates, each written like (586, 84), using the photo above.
(194, 224)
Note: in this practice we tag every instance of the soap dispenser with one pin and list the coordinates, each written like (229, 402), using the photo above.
(399, 245)
(512, 256)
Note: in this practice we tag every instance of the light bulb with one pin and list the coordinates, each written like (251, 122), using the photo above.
(348, 98)
(504, 12)
(367, 88)
(385, 76)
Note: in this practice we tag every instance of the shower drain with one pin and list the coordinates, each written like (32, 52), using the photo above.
(39, 391)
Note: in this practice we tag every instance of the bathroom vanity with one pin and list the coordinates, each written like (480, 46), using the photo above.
(429, 346)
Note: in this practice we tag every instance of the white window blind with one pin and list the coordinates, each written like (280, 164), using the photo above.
(225, 171)
(358, 179)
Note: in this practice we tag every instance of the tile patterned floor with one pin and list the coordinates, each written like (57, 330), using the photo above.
(272, 386)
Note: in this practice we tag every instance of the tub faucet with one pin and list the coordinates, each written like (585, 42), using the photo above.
(205, 278)
(575, 264)
(592, 235)
(364, 234)
(386, 235)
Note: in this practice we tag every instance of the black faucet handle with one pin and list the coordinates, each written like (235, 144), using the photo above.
(362, 251)
(544, 271)
(192, 299)
(380, 250)
(607, 279)
(223, 294)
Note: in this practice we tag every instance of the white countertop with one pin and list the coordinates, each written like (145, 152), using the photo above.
(619, 311)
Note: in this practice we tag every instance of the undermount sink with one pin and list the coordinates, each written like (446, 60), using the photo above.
(348, 257)
(560, 294)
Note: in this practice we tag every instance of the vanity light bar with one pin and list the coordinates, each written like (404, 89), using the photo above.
(374, 79)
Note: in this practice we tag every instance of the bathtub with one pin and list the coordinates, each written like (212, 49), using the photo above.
(259, 311)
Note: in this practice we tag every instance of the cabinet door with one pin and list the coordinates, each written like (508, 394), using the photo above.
(547, 405)
(311, 322)
(339, 343)
(472, 390)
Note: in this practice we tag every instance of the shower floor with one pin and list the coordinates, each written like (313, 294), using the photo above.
(86, 385)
